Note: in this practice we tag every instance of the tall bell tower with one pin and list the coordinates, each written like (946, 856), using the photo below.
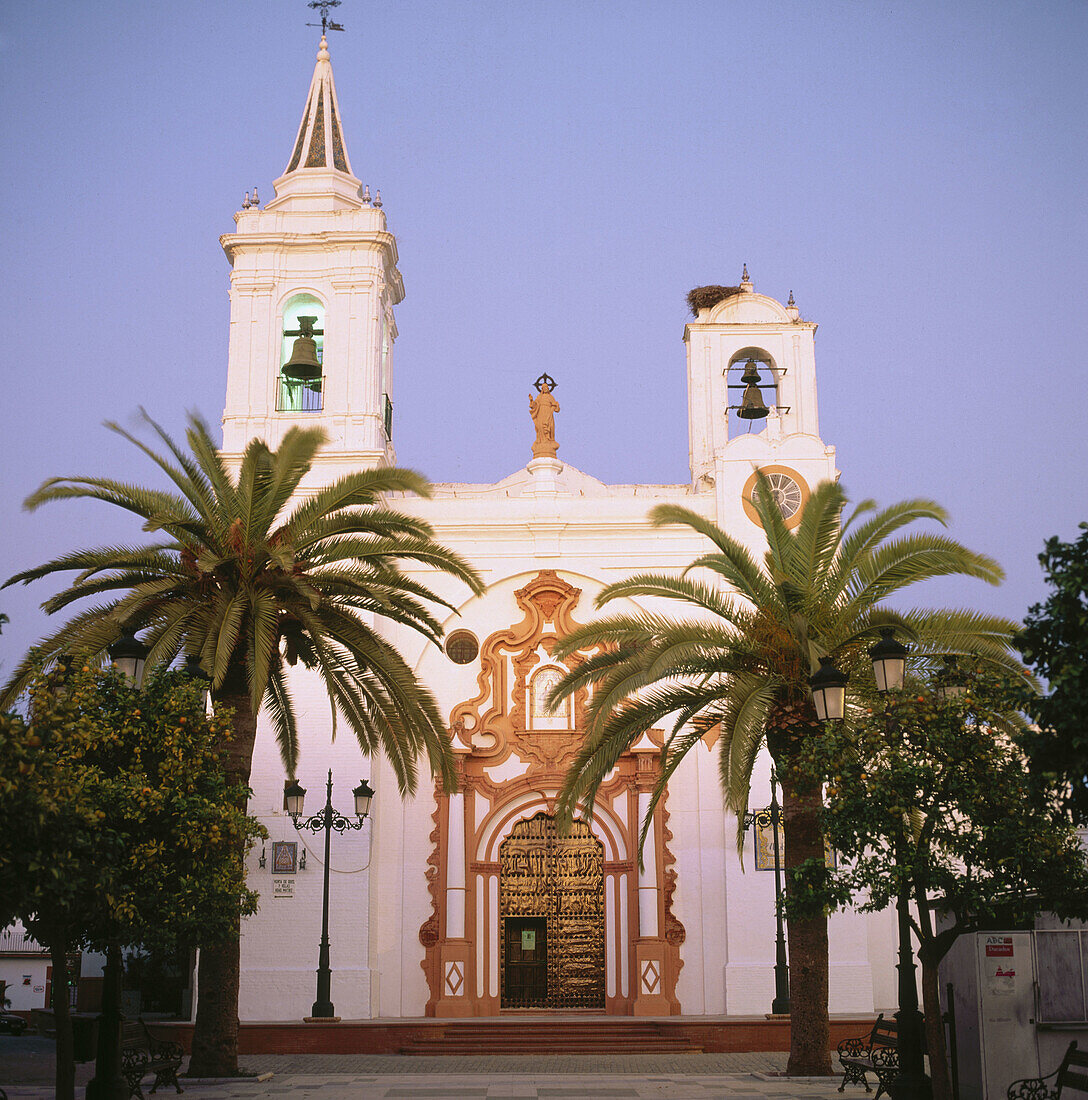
(313, 284)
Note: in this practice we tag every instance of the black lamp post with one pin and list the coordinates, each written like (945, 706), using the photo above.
(889, 659)
(129, 654)
(772, 818)
(327, 820)
(192, 669)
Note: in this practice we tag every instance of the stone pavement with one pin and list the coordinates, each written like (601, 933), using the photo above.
(545, 1077)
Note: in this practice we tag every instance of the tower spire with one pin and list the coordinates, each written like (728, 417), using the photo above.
(320, 140)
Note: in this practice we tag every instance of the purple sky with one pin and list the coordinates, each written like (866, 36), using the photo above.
(559, 175)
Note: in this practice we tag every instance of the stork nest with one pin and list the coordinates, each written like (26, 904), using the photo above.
(707, 297)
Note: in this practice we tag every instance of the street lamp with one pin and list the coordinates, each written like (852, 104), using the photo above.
(199, 677)
(951, 683)
(129, 654)
(889, 659)
(772, 818)
(325, 821)
(829, 691)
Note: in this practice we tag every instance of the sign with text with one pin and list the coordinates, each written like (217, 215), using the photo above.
(283, 887)
(998, 947)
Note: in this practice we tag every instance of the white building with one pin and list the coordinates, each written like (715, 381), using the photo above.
(464, 905)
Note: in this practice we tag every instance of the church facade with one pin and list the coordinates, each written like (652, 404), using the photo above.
(471, 904)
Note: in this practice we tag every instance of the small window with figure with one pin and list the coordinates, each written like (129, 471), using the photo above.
(301, 378)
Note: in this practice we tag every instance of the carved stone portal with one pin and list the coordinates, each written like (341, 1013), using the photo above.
(519, 915)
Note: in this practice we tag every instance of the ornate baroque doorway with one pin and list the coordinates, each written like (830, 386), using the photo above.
(521, 917)
(551, 905)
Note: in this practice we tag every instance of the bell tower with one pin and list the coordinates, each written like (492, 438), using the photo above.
(752, 397)
(313, 284)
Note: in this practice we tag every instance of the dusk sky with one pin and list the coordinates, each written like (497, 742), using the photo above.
(558, 176)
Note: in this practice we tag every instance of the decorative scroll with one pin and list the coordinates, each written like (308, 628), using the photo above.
(560, 879)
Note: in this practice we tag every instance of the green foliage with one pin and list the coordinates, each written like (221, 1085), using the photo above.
(251, 584)
(756, 630)
(122, 823)
(1055, 642)
(932, 794)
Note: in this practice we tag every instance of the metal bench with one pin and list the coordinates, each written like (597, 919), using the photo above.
(1070, 1080)
(877, 1052)
(142, 1053)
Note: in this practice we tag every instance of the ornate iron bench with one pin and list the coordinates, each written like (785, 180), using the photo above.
(1070, 1080)
(142, 1053)
(876, 1052)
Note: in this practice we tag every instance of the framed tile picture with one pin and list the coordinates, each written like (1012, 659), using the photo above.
(284, 857)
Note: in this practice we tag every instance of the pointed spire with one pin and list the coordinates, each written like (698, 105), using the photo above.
(745, 281)
(791, 302)
(320, 141)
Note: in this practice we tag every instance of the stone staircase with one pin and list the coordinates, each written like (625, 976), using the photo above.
(546, 1035)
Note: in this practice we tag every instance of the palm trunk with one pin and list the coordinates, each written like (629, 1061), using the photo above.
(65, 1076)
(810, 1028)
(215, 1031)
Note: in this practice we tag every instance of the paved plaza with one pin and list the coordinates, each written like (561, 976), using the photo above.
(26, 1067)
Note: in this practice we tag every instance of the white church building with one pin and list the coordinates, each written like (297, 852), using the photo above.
(470, 904)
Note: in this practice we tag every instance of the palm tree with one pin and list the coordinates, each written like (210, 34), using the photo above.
(251, 574)
(742, 660)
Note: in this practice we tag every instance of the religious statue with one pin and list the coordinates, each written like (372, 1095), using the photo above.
(542, 409)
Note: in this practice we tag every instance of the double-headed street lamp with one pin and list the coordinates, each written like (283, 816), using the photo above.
(828, 685)
(772, 818)
(326, 820)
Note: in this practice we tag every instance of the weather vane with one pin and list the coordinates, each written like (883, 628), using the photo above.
(326, 23)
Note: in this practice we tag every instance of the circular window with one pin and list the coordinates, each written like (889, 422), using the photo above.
(462, 647)
(788, 488)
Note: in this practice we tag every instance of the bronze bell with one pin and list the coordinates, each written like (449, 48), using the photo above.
(752, 406)
(304, 364)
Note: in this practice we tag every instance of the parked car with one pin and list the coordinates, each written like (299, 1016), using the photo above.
(12, 1024)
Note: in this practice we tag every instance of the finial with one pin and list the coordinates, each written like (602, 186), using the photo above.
(366, 195)
(744, 275)
(791, 302)
(326, 24)
(256, 201)
(378, 197)
(245, 202)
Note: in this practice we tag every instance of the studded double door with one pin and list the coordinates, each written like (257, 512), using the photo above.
(551, 909)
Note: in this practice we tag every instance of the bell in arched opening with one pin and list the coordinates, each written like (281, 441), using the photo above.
(304, 365)
(752, 405)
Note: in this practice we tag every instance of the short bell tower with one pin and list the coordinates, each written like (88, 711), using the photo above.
(313, 284)
(752, 396)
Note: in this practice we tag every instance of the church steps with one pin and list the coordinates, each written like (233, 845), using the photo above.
(539, 1035)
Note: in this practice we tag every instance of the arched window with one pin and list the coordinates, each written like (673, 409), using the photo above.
(541, 684)
(752, 389)
(301, 378)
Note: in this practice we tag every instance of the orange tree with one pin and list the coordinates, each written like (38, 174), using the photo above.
(929, 791)
(252, 574)
(124, 826)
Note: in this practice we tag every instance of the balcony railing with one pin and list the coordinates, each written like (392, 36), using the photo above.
(296, 395)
